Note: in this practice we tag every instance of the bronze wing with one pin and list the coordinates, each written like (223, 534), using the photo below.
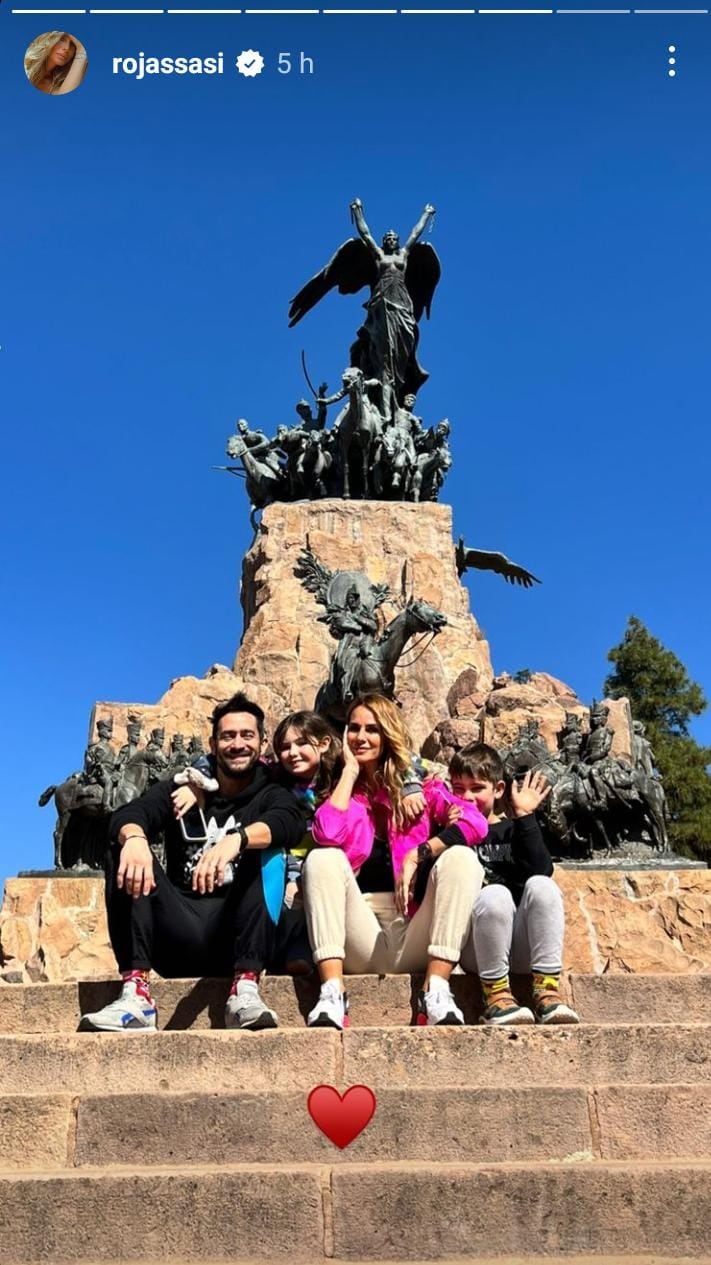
(351, 268)
(421, 277)
(486, 560)
(315, 577)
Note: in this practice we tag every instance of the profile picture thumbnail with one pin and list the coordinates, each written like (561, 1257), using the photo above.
(55, 62)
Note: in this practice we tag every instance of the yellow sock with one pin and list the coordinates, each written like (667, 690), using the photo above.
(543, 983)
(492, 987)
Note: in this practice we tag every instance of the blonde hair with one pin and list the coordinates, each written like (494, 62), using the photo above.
(37, 55)
(396, 757)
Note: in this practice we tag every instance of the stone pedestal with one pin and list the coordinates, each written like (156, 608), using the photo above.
(650, 922)
(54, 929)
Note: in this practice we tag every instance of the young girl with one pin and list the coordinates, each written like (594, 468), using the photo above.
(307, 751)
(366, 849)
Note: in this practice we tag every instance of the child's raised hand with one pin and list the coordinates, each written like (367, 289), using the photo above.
(531, 793)
(184, 798)
(454, 813)
(413, 807)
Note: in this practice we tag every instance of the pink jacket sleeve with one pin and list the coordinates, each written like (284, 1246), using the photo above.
(352, 830)
(472, 823)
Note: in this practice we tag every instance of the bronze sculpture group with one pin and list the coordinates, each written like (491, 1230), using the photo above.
(85, 800)
(364, 454)
(599, 804)
(376, 448)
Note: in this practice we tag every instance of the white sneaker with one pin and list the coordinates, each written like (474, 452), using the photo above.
(331, 1009)
(131, 1012)
(438, 1007)
(246, 1009)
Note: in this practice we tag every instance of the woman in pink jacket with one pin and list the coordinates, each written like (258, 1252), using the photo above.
(381, 896)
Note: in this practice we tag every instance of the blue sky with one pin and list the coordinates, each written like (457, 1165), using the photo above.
(153, 233)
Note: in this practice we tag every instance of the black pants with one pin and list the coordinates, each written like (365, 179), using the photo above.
(292, 941)
(180, 933)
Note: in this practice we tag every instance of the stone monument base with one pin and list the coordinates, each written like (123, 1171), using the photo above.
(647, 922)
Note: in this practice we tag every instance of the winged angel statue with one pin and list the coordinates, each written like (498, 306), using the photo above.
(402, 281)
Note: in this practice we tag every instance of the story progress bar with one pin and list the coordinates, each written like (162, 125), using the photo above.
(347, 12)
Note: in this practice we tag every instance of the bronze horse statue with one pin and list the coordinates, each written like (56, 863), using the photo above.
(374, 669)
(358, 429)
(81, 830)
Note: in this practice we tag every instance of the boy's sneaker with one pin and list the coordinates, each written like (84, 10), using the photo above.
(437, 1007)
(331, 1009)
(246, 1009)
(504, 1011)
(133, 1011)
(550, 1009)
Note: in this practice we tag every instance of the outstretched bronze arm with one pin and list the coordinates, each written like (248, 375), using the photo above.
(427, 215)
(363, 231)
(324, 400)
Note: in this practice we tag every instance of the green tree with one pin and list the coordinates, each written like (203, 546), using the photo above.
(663, 696)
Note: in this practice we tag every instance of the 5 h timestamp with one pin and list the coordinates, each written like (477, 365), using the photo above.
(296, 63)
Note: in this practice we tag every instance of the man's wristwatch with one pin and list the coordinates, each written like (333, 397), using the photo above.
(424, 853)
(241, 835)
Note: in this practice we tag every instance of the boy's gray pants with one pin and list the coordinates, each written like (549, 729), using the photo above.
(505, 938)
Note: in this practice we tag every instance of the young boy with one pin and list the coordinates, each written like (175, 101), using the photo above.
(518, 918)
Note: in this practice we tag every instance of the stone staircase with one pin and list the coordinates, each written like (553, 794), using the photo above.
(194, 1144)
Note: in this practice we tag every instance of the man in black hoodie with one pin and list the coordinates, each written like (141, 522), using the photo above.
(208, 912)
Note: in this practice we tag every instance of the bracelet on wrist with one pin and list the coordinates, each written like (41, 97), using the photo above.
(128, 837)
(241, 834)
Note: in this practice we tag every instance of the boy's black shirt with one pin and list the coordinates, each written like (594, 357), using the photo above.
(513, 851)
(262, 800)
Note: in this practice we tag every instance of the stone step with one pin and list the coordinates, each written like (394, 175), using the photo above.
(589, 1054)
(642, 998)
(394, 1058)
(371, 1212)
(463, 1260)
(404, 1211)
(382, 1001)
(436, 1125)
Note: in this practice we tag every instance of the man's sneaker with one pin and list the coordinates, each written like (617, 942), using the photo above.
(504, 1010)
(246, 1009)
(331, 1009)
(550, 1009)
(133, 1011)
(437, 1007)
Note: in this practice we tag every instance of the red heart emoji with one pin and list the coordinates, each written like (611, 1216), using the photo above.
(341, 1117)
